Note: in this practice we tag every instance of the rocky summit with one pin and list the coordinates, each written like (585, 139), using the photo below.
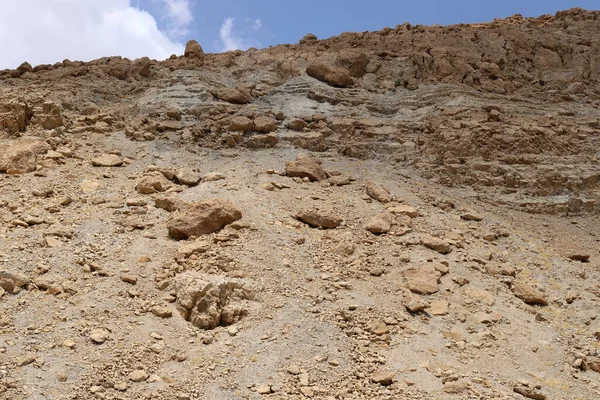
(411, 213)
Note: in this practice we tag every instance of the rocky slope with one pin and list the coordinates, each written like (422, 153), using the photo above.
(408, 213)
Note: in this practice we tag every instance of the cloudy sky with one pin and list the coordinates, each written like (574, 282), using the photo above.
(47, 31)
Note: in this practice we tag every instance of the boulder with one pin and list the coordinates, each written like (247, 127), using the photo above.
(354, 61)
(423, 279)
(264, 124)
(306, 167)
(234, 96)
(20, 156)
(319, 219)
(202, 218)
(309, 38)
(211, 301)
(194, 51)
(332, 75)
(241, 124)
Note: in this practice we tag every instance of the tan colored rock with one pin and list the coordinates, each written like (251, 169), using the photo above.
(423, 279)
(381, 223)
(199, 246)
(194, 51)
(334, 76)
(439, 308)
(572, 251)
(211, 301)
(139, 375)
(415, 303)
(382, 377)
(186, 176)
(378, 192)
(12, 282)
(437, 244)
(319, 219)
(306, 167)
(529, 294)
(107, 160)
(170, 204)
(213, 177)
(161, 311)
(470, 215)
(99, 335)
(202, 218)
(153, 182)
(20, 156)
(403, 209)
(264, 124)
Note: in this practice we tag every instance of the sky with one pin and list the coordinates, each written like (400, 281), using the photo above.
(48, 31)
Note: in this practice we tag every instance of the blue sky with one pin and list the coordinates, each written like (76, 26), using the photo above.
(287, 21)
(54, 30)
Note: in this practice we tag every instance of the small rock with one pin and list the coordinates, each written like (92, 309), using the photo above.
(471, 216)
(162, 311)
(437, 244)
(319, 219)
(26, 360)
(107, 160)
(528, 294)
(263, 389)
(129, 278)
(378, 192)
(99, 335)
(62, 376)
(213, 176)
(383, 377)
(423, 279)
(139, 375)
(381, 223)
(306, 167)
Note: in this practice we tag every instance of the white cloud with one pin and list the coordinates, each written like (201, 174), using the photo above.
(228, 37)
(47, 31)
(236, 40)
(178, 14)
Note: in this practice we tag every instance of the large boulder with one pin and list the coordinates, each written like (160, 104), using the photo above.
(354, 61)
(47, 115)
(20, 156)
(202, 218)
(194, 51)
(306, 167)
(330, 74)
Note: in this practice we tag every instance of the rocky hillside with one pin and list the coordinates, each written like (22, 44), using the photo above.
(403, 214)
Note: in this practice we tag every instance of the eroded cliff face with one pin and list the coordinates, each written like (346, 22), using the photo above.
(374, 215)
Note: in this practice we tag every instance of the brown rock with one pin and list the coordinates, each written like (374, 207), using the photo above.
(572, 251)
(334, 76)
(530, 393)
(415, 303)
(381, 223)
(354, 61)
(162, 311)
(528, 294)
(423, 279)
(306, 167)
(264, 124)
(12, 282)
(456, 387)
(234, 96)
(309, 38)
(437, 244)
(194, 51)
(297, 124)
(202, 218)
(471, 216)
(241, 124)
(378, 192)
(319, 219)
(403, 209)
